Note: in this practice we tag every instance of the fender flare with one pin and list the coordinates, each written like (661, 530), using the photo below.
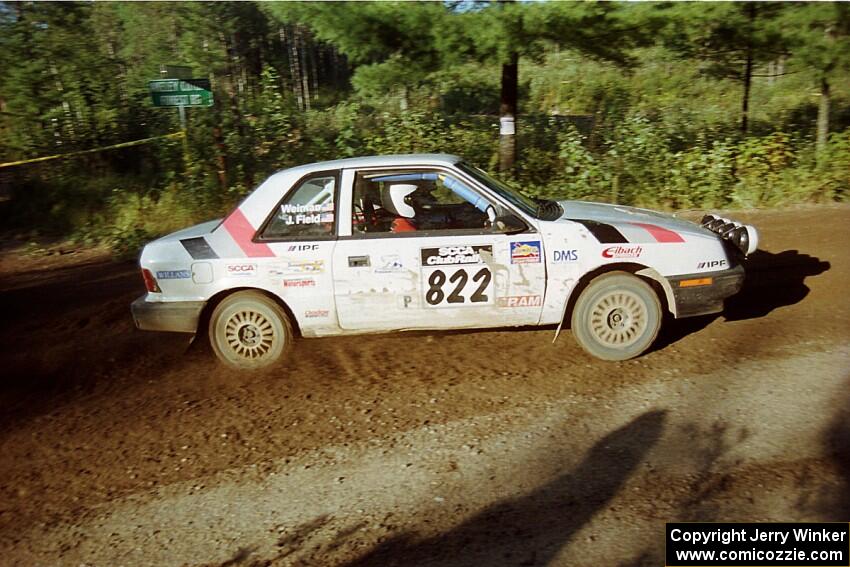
(636, 269)
(217, 297)
(665, 285)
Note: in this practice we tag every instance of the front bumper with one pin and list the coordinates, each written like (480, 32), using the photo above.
(177, 316)
(702, 298)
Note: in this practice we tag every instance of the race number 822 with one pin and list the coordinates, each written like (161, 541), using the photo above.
(459, 286)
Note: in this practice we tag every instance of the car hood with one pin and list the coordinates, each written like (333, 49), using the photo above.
(197, 230)
(622, 215)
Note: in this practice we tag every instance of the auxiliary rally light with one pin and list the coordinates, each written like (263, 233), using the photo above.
(745, 237)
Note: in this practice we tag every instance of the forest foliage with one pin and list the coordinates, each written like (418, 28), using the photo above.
(669, 105)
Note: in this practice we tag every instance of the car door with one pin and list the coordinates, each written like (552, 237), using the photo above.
(451, 271)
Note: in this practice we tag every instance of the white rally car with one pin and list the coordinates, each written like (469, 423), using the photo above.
(403, 242)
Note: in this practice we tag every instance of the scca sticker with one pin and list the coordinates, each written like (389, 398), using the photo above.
(241, 269)
(454, 255)
(622, 252)
(173, 275)
(564, 256)
(525, 252)
(316, 313)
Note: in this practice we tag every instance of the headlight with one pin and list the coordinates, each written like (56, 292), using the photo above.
(727, 227)
(750, 240)
(743, 236)
(715, 225)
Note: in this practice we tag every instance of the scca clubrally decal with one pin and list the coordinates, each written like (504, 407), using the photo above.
(454, 255)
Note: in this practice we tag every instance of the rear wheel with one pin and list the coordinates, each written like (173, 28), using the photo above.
(248, 330)
(616, 317)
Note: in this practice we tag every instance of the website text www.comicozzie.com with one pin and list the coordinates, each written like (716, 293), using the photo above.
(757, 555)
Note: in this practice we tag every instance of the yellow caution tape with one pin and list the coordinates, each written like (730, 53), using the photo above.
(116, 146)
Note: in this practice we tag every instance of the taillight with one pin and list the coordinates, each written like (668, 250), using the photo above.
(150, 282)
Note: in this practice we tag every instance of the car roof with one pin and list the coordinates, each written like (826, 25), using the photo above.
(395, 160)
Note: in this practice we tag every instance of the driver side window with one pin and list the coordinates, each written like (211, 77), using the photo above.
(396, 201)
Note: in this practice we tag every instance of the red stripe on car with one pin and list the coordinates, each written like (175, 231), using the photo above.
(660, 234)
(242, 232)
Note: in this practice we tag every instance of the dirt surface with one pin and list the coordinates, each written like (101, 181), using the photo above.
(122, 447)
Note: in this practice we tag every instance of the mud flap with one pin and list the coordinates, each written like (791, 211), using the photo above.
(561, 324)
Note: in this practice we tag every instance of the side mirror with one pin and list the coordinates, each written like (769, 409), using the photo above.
(509, 224)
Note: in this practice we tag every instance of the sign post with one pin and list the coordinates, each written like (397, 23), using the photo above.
(181, 93)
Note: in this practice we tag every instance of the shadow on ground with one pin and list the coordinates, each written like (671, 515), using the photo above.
(65, 329)
(836, 506)
(534, 528)
(772, 281)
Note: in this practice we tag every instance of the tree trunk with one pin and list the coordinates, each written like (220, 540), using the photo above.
(295, 69)
(231, 86)
(745, 104)
(314, 68)
(304, 66)
(507, 115)
(823, 118)
(748, 69)
(220, 158)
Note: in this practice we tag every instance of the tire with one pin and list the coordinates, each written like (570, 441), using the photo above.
(249, 331)
(616, 317)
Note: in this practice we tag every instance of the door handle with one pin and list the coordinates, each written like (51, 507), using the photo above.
(358, 261)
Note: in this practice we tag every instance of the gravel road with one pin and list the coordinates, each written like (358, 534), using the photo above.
(120, 447)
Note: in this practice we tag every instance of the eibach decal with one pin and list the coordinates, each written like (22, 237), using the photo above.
(622, 252)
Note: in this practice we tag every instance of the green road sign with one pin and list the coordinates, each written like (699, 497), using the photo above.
(181, 92)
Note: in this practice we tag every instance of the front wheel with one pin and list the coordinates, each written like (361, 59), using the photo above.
(616, 317)
(248, 331)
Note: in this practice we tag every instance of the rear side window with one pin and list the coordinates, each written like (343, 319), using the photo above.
(307, 211)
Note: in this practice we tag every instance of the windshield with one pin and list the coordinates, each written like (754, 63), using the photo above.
(526, 205)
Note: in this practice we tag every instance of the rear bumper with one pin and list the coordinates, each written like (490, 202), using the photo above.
(705, 297)
(177, 316)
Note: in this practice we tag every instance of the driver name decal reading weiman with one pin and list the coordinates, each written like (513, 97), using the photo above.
(307, 214)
